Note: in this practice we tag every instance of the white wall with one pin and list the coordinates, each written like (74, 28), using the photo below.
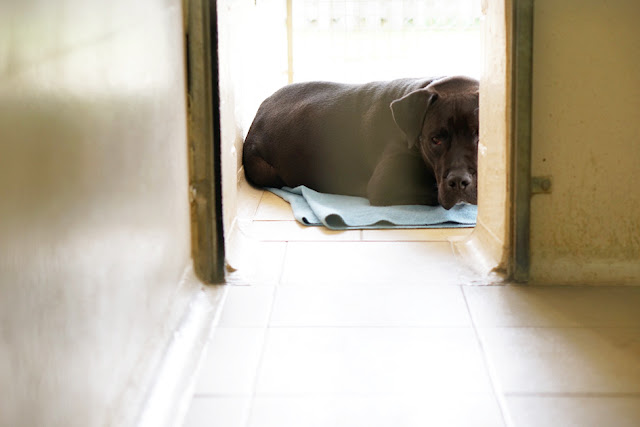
(94, 214)
(488, 248)
(253, 64)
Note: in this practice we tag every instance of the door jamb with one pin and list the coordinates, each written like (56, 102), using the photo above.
(522, 74)
(207, 234)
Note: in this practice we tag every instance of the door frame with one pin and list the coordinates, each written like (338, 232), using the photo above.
(203, 94)
(205, 140)
(521, 97)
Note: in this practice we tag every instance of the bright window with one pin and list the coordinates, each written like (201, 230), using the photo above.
(366, 40)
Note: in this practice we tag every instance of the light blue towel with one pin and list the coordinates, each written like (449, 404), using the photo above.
(347, 212)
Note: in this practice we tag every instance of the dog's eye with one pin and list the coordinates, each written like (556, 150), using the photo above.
(436, 141)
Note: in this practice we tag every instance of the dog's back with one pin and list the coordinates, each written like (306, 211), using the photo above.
(327, 136)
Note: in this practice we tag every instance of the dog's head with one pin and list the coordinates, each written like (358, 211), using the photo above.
(442, 120)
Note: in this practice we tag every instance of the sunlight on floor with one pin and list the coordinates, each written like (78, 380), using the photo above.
(355, 329)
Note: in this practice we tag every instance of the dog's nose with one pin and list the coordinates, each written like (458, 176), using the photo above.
(458, 180)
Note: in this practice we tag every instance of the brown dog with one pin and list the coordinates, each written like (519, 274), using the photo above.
(409, 141)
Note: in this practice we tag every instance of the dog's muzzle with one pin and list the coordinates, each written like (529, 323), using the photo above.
(458, 186)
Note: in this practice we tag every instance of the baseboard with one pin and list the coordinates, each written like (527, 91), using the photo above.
(569, 271)
(484, 254)
(171, 381)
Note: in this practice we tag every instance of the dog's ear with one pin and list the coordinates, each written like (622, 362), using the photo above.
(409, 111)
(455, 85)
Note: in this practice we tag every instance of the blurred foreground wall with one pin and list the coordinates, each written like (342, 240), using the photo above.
(94, 208)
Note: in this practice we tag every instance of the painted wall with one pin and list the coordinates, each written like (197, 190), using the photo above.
(253, 64)
(488, 246)
(94, 211)
(586, 135)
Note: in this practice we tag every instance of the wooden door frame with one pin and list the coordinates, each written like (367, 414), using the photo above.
(207, 234)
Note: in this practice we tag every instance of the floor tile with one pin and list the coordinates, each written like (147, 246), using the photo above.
(417, 234)
(554, 306)
(371, 360)
(255, 263)
(217, 411)
(371, 263)
(287, 231)
(370, 305)
(344, 332)
(231, 362)
(273, 208)
(247, 306)
(564, 360)
(538, 411)
(248, 200)
(377, 411)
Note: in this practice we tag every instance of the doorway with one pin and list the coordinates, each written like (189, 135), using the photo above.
(255, 63)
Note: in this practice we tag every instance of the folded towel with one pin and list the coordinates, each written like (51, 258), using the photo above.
(347, 212)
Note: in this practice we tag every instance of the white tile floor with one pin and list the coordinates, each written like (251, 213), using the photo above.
(380, 328)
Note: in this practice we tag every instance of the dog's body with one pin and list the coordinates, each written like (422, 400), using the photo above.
(345, 139)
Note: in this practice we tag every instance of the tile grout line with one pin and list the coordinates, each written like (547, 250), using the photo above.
(265, 337)
(363, 326)
(255, 212)
(495, 387)
(283, 266)
(585, 394)
(249, 410)
(325, 394)
(583, 327)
